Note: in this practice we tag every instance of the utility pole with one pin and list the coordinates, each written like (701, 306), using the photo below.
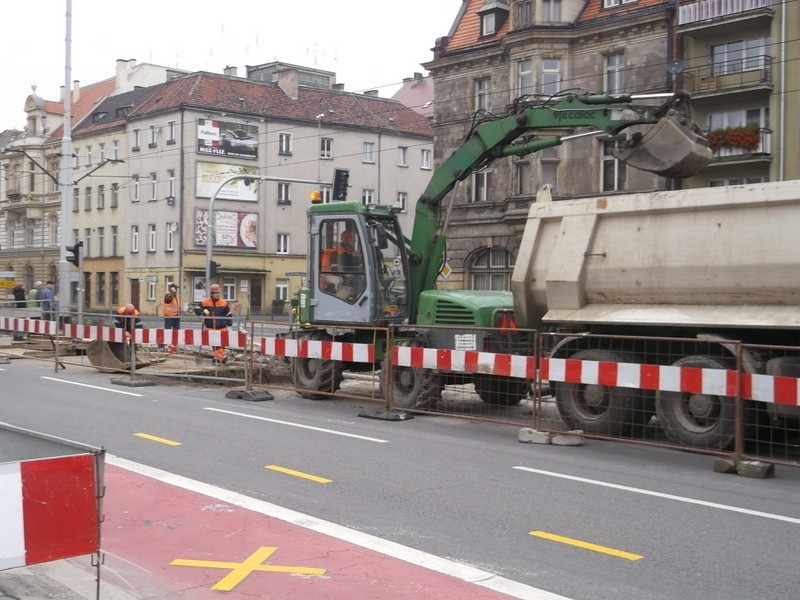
(65, 173)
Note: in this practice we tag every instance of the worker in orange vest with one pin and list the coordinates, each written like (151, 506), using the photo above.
(171, 309)
(127, 318)
(217, 315)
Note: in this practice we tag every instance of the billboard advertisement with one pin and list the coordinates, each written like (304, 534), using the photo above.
(232, 229)
(224, 138)
(210, 175)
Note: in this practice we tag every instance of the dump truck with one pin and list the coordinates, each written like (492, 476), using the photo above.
(717, 265)
(363, 272)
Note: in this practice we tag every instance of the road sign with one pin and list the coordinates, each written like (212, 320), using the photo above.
(6, 285)
(7, 274)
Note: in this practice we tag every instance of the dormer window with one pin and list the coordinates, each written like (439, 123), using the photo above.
(493, 15)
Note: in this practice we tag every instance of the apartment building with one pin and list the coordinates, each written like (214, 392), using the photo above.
(734, 56)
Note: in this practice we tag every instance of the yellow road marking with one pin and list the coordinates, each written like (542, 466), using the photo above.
(241, 570)
(157, 439)
(298, 474)
(586, 545)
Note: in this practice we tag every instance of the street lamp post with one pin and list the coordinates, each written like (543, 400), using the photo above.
(319, 145)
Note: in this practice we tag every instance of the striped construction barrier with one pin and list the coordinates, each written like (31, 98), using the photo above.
(175, 337)
(465, 361)
(322, 349)
(29, 325)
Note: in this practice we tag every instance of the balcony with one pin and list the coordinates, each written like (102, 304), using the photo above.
(729, 76)
(711, 12)
(740, 144)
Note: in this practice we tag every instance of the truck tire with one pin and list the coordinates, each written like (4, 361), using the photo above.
(411, 387)
(698, 420)
(314, 375)
(501, 391)
(601, 409)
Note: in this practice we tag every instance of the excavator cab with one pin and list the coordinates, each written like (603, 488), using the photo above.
(673, 147)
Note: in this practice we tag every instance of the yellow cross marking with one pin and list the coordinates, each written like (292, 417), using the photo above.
(298, 474)
(153, 438)
(587, 545)
(241, 570)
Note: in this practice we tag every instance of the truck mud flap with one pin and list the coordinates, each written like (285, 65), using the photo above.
(669, 149)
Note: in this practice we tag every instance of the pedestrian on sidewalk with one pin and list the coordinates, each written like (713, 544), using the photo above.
(20, 301)
(46, 301)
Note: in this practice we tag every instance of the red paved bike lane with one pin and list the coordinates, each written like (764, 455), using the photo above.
(167, 541)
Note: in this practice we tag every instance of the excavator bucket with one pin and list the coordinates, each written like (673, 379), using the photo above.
(670, 148)
(109, 357)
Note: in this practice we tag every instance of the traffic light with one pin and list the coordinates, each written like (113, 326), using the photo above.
(213, 268)
(340, 178)
(77, 254)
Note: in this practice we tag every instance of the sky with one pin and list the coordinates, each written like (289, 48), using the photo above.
(369, 44)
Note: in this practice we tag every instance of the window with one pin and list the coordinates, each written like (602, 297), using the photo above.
(54, 229)
(76, 154)
(171, 184)
(76, 199)
(551, 76)
(88, 156)
(32, 177)
(614, 73)
(613, 170)
(31, 232)
(613, 3)
(739, 118)
(87, 199)
(169, 245)
(153, 187)
(524, 13)
(101, 288)
(75, 238)
(551, 11)
(101, 241)
(482, 94)
(327, 193)
(281, 289)
(368, 153)
(524, 77)
(326, 148)
(402, 201)
(480, 186)
(425, 159)
(134, 188)
(402, 156)
(101, 197)
(114, 288)
(367, 196)
(284, 196)
(229, 288)
(153, 136)
(134, 238)
(170, 132)
(548, 163)
(114, 195)
(135, 135)
(114, 240)
(523, 178)
(491, 269)
(151, 237)
(102, 157)
(285, 144)
(488, 24)
(283, 243)
(151, 290)
(115, 150)
(87, 242)
(740, 55)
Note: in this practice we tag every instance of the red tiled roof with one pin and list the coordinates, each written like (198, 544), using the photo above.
(221, 93)
(468, 31)
(88, 98)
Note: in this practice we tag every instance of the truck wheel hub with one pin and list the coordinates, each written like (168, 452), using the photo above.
(593, 396)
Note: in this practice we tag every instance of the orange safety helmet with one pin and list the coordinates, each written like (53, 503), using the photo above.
(215, 288)
(130, 309)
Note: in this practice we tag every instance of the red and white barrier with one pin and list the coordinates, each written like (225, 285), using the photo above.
(326, 350)
(48, 510)
(465, 361)
(191, 337)
(29, 325)
(94, 332)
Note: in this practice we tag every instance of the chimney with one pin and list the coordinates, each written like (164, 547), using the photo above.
(76, 91)
(124, 67)
(229, 70)
(417, 76)
(288, 82)
(339, 87)
(371, 93)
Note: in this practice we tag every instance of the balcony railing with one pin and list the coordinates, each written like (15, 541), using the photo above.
(705, 10)
(731, 75)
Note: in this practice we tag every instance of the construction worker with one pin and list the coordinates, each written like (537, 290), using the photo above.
(342, 268)
(127, 318)
(171, 309)
(217, 315)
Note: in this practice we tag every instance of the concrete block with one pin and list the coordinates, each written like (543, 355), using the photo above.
(724, 465)
(568, 438)
(534, 436)
(755, 468)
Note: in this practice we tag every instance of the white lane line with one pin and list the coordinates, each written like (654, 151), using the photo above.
(351, 435)
(431, 562)
(94, 387)
(625, 488)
